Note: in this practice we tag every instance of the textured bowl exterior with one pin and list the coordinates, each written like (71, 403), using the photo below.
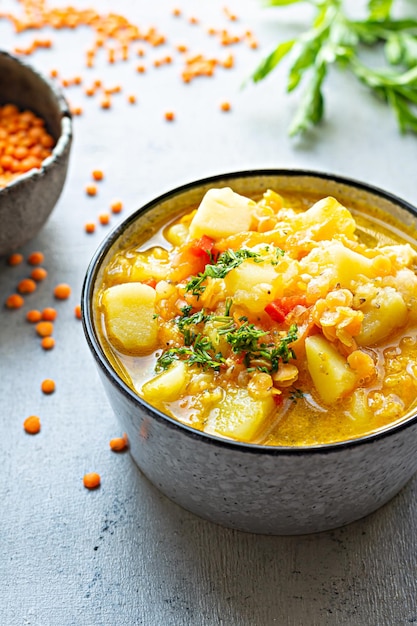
(26, 203)
(269, 491)
(259, 489)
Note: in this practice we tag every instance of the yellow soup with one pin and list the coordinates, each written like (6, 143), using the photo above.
(279, 322)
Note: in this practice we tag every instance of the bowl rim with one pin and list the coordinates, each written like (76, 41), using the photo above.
(100, 356)
(64, 140)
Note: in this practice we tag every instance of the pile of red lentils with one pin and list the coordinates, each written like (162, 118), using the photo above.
(25, 143)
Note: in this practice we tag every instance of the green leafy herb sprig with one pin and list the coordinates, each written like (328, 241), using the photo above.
(227, 260)
(244, 339)
(336, 39)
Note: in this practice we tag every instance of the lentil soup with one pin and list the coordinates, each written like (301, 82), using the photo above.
(284, 320)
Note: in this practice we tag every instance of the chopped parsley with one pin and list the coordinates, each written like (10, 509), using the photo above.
(243, 339)
(199, 353)
(226, 261)
(214, 341)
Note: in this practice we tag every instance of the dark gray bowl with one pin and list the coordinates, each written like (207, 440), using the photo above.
(260, 489)
(26, 203)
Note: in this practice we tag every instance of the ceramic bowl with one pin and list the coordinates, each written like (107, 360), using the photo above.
(259, 489)
(27, 201)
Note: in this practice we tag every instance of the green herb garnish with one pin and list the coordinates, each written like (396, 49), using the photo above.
(335, 39)
(227, 260)
(199, 353)
(245, 338)
(268, 356)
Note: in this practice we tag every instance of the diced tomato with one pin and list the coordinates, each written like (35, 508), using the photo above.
(288, 303)
(202, 247)
(275, 311)
(239, 358)
(279, 309)
(278, 399)
(192, 258)
(151, 282)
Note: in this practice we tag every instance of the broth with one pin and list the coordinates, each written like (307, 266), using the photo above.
(288, 321)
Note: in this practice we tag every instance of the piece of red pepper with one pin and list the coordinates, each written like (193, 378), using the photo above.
(279, 309)
(202, 247)
(275, 311)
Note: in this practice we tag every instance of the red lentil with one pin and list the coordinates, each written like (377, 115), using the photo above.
(38, 274)
(116, 206)
(77, 311)
(48, 386)
(90, 227)
(33, 316)
(36, 258)
(48, 343)
(49, 314)
(104, 219)
(15, 259)
(44, 329)
(97, 175)
(91, 190)
(118, 444)
(15, 158)
(92, 480)
(14, 301)
(105, 103)
(27, 285)
(229, 62)
(62, 291)
(32, 425)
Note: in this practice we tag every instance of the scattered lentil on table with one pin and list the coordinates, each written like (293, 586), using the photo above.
(32, 425)
(48, 343)
(25, 143)
(118, 444)
(44, 328)
(38, 274)
(92, 480)
(48, 386)
(36, 258)
(62, 291)
(49, 314)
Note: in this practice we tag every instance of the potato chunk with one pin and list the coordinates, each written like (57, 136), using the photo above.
(152, 264)
(129, 311)
(331, 374)
(251, 285)
(249, 274)
(382, 315)
(239, 415)
(167, 386)
(341, 264)
(324, 219)
(222, 212)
